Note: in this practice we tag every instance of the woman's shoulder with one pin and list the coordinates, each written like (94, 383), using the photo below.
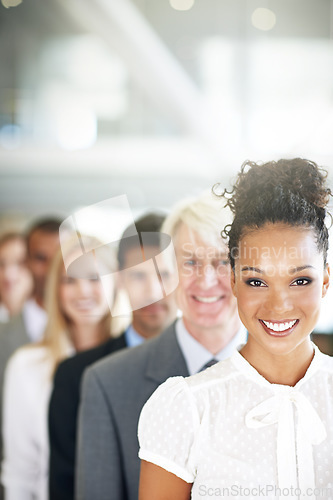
(30, 352)
(28, 359)
(178, 391)
(197, 386)
(326, 362)
(217, 374)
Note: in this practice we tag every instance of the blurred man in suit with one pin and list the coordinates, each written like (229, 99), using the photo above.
(148, 321)
(115, 389)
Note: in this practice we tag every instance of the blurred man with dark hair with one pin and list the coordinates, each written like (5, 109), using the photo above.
(42, 242)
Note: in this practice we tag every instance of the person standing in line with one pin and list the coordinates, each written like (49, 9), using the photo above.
(115, 389)
(15, 278)
(259, 423)
(29, 325)
(78, 318)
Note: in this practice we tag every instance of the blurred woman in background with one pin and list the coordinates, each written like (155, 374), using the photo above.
(15, 278)
(78, 304)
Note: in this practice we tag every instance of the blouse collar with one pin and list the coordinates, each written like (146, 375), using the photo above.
(245, 367)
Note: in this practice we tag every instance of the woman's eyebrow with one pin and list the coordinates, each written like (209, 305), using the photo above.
(301, 268)
(293, 270)
(254, 269)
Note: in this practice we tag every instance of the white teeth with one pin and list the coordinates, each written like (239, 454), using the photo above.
(279, 327)
(207, 300)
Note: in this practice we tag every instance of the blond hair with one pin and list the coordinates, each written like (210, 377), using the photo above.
(203, 214)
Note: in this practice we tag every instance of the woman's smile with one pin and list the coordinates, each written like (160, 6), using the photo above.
(279, 328)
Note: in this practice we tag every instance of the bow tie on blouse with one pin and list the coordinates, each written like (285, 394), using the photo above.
(294, 464)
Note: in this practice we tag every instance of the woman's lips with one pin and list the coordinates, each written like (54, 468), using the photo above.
(279, 328)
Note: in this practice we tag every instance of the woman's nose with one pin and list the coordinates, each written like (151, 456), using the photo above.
(11, 271)
(84, 287)
(278, 302)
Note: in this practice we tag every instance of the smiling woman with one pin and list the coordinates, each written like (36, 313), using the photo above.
(279, 299)
(278, 250)
(275, 394)
(78, 305)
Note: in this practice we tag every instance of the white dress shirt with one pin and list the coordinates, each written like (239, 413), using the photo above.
(132, 337)
(196, 355)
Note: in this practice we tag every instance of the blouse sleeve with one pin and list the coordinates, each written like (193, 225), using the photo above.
(167, 429)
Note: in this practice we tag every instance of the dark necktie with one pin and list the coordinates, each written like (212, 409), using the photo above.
(211, 362)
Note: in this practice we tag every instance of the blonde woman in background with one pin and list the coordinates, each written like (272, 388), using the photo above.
(78, 307)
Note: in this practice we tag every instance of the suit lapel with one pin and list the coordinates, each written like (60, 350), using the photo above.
(165, 358)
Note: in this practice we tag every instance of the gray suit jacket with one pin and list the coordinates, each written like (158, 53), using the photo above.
(113, 393)
(12, 336)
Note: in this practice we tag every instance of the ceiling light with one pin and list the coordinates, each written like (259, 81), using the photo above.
(182, 4)
(263, 19)
(10, 3)
(76, 126)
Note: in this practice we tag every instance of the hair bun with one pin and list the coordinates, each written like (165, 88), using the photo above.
(300, 177)
(293, 192)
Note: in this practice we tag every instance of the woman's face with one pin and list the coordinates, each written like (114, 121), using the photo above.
(85, 300)
(279, 281)
(14, 275)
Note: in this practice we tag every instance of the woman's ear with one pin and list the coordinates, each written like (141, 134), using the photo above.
(233, 282)
(326, 280)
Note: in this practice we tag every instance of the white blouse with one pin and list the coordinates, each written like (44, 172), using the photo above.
(27, 389)
(233, 434)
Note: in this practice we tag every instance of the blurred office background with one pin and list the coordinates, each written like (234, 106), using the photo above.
(155, 99)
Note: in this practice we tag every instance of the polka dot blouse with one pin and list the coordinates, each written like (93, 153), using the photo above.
(233, 434)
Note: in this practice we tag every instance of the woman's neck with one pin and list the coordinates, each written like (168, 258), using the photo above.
(285, 369)
(12, 304)
(86, 336)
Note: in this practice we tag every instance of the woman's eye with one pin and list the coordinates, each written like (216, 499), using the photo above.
(255, 283)
(67, 280)
(301, 282)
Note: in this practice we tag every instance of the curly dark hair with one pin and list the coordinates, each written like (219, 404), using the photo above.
(293, 192)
